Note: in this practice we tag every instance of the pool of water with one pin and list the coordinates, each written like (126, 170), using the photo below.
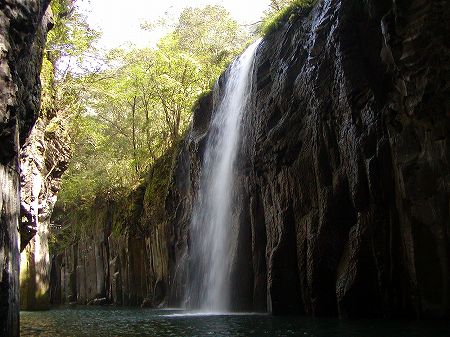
(113, 321)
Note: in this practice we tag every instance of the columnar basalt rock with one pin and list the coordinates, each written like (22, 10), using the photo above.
(43, 160)
(124, 269)
(343, 175)
(344, 164)
(23, 28)
(121, 257)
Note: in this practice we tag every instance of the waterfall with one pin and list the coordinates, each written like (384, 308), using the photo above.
(209, 281)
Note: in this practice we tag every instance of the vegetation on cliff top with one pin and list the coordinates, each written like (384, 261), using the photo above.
(127, 108)
(138, 102)
(282, 11)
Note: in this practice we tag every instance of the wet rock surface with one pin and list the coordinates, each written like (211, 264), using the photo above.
(344, 166)
(23, 27)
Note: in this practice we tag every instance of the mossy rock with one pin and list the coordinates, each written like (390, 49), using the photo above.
(157, 184)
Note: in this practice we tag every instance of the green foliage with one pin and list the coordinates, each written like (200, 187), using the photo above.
(139, 105)
(47, 80)
(128, 115)
(282, 12)
(213, 36)
(136, 212)
(71, 36)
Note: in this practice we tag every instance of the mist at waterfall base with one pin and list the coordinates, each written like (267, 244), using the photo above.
(114, 321)
(209, 282)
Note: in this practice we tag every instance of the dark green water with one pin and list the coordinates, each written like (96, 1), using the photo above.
(108, 321)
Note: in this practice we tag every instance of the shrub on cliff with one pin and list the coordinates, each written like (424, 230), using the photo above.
(281, 12)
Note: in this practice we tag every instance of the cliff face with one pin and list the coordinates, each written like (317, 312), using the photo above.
(43, 160)
(22, 36)
(120, 257)
(344, 166)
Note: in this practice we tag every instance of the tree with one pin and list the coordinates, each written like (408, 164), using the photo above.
(45, 153)
(138, 104)
(212, 36)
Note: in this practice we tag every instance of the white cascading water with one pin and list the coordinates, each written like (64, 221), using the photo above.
(209, 281)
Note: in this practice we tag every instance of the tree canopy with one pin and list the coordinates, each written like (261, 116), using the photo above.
(135, 103)
(126, 108)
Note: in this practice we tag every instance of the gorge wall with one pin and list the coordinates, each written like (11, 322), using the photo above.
(343, 171)
(120, 254)
(344, 166)
(43, 159)
(23, 28)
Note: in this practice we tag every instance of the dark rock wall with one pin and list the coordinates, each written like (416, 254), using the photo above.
(120, 255)
(344, 165)
(22, 37)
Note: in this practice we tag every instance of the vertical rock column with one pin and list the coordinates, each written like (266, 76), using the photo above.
(345, 160)
(22, 36)
(9, 194)
(9, 243)
(43, 160)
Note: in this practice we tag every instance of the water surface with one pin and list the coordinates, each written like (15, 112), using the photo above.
(112, 321)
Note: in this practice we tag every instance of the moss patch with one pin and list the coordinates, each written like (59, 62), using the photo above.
(157, 185)
(134, 213)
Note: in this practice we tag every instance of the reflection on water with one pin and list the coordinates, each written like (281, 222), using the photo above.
(110, 321)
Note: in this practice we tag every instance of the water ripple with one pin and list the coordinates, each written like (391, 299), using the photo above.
(111, 322)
